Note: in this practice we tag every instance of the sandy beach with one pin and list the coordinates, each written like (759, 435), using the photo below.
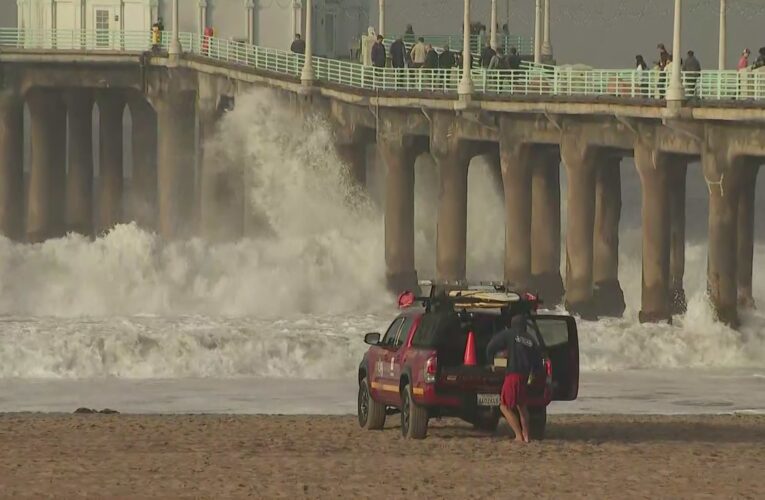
(68, 456)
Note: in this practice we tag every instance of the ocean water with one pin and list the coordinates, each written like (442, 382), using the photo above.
(274, 323)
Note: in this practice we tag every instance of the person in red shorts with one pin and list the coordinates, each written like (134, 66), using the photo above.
(521, 352)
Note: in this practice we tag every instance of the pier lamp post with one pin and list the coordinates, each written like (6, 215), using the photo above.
(723, 34)
(675, 91)
(175, 43)
(306, 75)
(547, 45)
(381, 18)
(493, 30)
(465, 88)
(538, 32)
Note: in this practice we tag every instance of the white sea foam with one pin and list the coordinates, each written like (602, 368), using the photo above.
(294, 300)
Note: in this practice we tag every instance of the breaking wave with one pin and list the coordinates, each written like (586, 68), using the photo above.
(294, 299)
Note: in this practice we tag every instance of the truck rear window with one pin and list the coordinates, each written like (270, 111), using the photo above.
(554, 333)
(431, 328)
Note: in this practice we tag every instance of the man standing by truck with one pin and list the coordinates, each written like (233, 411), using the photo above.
(522, 356)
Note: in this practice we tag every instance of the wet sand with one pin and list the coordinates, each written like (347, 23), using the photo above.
(68, 456)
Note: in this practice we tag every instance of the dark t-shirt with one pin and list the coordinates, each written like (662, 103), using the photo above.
(523, 355)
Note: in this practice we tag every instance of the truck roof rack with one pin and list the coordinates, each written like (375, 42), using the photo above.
(464, 294)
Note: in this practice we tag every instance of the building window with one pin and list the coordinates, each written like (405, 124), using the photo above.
(102, 28)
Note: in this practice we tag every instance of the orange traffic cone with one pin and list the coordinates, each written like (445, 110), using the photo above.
(470, 351)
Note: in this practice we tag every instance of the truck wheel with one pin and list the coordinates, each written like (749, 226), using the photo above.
(414, 418)
(537, 422)
(486, 421)
(371, 413)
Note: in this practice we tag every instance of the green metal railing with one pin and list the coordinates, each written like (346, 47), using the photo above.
(531, 80)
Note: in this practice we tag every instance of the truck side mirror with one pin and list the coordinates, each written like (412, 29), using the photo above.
(372, 338)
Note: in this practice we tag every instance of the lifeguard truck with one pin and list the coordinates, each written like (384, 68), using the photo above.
(431, 361)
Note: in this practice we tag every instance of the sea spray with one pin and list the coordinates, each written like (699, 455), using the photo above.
(295, 299)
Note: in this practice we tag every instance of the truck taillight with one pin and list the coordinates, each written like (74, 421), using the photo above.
(548, 370)
(431, 366)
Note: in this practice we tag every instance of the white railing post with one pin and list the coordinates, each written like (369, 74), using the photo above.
(175, 43)
(307, 75)
(676, 91)
(466, 84)
(723, 35)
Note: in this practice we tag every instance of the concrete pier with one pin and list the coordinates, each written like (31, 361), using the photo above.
(453, 159)
(581, 163)
(723, 179)
(608, 295)
(111, 106)
(746, 211)
(142, 203)
(398, 155)
(653, 169)
(545, 225)
(175, 169)
(45, 200)
(354, 155)
(516, 160)
(677, 174)
(11, 166)
(79, 177)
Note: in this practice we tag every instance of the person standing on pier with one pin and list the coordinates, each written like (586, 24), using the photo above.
(298, 45)
(378, 53)
(419, 53)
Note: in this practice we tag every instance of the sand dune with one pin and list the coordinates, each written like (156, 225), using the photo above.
(330, 457)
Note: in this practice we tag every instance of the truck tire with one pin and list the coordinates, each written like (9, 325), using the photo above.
(414, 418)
(537, 422)
(371, 413)
(486, 421)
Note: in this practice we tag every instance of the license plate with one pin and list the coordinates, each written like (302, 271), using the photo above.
(488, 399)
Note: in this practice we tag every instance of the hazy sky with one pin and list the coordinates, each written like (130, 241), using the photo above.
(606, 33)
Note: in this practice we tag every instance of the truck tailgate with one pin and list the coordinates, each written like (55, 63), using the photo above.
(471, 379)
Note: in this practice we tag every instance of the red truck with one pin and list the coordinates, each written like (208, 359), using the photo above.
(420, 369)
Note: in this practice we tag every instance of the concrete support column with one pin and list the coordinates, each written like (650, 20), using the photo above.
(79, 178)
(677, 176)
(143, 193)
(746, 235)
(222, 184)
(547, 49)
(307, 74)
(354, 155)
(451, 232)
(516, 160)
(398, 155)
(381, 17)
(608, 294)
(465, 87)
(722, 176)
(545, 226)
(581, 162)
(675, 91)
(45, 201)
(723, 46)
(111, 106)
(652, 167)
(175, 168)
(11, 166)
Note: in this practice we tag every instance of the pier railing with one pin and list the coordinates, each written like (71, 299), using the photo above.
(530, 80)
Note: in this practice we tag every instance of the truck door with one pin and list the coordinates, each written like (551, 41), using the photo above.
(381, 387)
(562, 340)
(398, 357)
